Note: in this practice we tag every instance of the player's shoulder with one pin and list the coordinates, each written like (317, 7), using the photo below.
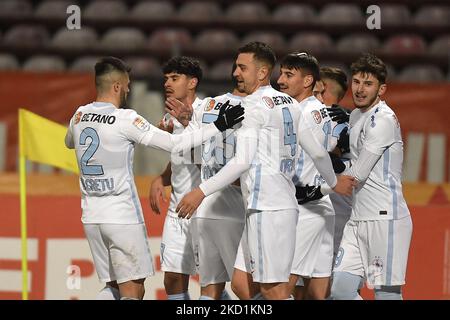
(311, 104)
(129, 117)
(382, 113)
(271, 98)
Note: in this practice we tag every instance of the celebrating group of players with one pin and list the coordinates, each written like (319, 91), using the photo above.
(283, 193)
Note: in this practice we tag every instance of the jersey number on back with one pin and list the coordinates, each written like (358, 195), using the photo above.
(290, 137)
(92, 170)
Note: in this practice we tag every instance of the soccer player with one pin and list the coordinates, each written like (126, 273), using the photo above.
(219, 222)
(181, 77)
(266, 152)
(313, 257)
(103, 136)
(330, 90)
(376, 239)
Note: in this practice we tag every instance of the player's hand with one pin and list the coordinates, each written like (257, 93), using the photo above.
(166, 126)
(228, 117)
(307, 193)
(338, 114)
(180, 111)
(338, 164)
(344, 141)
(190, 203)
(157, 194)
(345, 185)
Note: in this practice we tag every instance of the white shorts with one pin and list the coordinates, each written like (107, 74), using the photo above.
(243, 254)
(215, 245)
(271, 241)
(376, 250)
(343, 209)
(313, 256)
(177, 254)
(120, 251)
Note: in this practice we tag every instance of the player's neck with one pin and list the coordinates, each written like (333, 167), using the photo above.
(365, 109)
(189, 99)
(260, 84)
(304, 95)
(107, 99)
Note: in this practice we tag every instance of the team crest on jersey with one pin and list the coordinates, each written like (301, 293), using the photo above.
(317, 117)
(210, 105)
(78, 117)
(268, 102)
(141, 124)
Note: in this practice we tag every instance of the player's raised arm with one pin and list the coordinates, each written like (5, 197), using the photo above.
(144, 133)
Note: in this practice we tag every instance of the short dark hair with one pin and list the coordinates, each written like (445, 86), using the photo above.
(337, 75)
(261, 51)
(184, 65)
(107, 65)
(369, 63)
(304, 62)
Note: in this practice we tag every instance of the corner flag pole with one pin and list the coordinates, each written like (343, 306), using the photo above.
(23, 211)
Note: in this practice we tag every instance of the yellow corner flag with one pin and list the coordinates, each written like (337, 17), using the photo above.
(40, 140)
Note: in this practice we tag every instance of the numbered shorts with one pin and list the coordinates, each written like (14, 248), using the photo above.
(313, 256)
(215, 243)
(376, 250)
(120, 251)
(271, 243)
(177, 254)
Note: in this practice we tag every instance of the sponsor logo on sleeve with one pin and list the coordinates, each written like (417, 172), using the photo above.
(317, 117)
(268, 102)
(78, 117)
(210, 105)
(141, 124)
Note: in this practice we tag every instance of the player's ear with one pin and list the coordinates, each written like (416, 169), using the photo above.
(382, 89)
(116, 86)
(308, 80)
(263, 72)
(193, 82)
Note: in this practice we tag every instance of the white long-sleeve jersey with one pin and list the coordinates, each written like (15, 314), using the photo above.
(104, 138)
(376, 149)
(267, 150)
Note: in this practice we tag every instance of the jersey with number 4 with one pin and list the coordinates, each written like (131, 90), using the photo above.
(273, 118)
(104, 139)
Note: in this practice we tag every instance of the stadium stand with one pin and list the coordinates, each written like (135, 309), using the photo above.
(412, 33)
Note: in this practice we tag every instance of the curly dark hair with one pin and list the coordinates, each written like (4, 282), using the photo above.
(184, 65)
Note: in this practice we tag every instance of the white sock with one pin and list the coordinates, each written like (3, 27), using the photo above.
(205, 298)
(108, 293)
(179, 296)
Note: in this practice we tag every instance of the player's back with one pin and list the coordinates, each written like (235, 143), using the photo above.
(380, 196)
(105, 158)
(275, 115)
(325, 131)
(215, 153)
